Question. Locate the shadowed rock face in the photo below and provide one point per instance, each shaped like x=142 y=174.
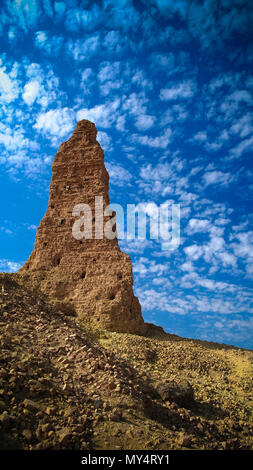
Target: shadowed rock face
x=92 y=275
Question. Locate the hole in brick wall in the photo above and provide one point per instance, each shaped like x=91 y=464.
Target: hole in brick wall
x=27 y=267
x=94 y=259
x=45 y=243
x=112 y=297
x=52 y=206
x=83 y=275
x=119 y=276
x=61 y=221
x=56 y=261
x=81 y=242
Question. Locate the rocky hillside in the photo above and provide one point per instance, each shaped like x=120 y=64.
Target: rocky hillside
x=66 y=385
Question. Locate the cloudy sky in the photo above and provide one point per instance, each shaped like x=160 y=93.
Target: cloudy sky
x=169 y=86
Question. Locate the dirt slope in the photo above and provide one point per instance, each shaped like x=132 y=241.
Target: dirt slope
x=64 y=385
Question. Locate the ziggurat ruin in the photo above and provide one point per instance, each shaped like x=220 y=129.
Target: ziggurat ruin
x=92 y=277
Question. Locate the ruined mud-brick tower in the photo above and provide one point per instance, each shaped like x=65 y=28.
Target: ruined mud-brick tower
x=93 y=275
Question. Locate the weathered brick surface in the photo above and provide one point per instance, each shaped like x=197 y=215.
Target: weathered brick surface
x=93 y=276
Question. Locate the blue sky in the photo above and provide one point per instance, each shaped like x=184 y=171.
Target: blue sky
x=169 y=86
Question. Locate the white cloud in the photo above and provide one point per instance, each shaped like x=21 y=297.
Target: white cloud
x=192 y=279
x=140 y=79
x=105 y=140
x=242 y=147
x=140 y=268
x=135 y=104
x=175 y=114
x=82 y=49
x=50 y=45
x=215 y=251
x=222 y=221
x=145 y=266
x=158 y=299
x=238 y=96
x=227 y=259
x=9 y=266
x=162 y=61
x=31 y=91
x=144 y=122
x=241 y=227
x=136 y=246
x=194 y=251
x=155 y=300
x=56 y=122
x=86 y=75
x=14 y=139
x=103 y=115
x=244 y=248
x=108 y=71
x=9 y=86
x=40 y=38
x=162 y=171
x=201 y=136
x=164 y=179
x=187 y=266
x=218 y=177
x=243 y=126
x=111 y=39
x=42 y=86
x=118 y=174
x=120 y=124
x=215 y=245
x=161 y=141
x=182 y=90
x=198 y=225
x=107 y=87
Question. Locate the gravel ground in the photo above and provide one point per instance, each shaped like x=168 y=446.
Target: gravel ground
x=65 y=385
